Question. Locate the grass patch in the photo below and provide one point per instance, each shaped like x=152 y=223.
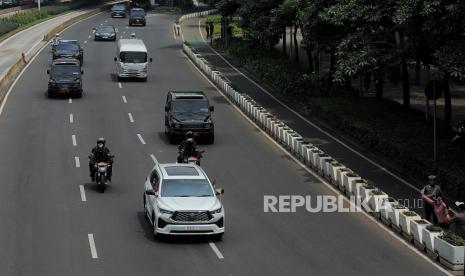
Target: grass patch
x=216 y=19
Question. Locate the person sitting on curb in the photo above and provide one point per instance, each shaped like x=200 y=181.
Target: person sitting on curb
x=458 y=220
x=440 y=210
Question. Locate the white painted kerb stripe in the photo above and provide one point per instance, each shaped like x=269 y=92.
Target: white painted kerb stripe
x=216 y=250
x=93 y=250
x=83 y=193
x=73 y=137
x=141 y=139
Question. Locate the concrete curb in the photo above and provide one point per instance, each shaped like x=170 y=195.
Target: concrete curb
x=343 y=178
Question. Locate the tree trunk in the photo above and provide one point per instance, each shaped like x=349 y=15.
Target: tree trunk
x=284 y=41
x=332 y=68
x=379 y=85
x=296 y=44
x=447 y=104
x=405 y=84
x=310 y=59
x=417 y=71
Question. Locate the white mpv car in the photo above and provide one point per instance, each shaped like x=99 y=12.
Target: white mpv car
x=179 y=199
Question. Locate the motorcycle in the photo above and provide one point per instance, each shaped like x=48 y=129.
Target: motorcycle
x=193 y=159
x=459 y=137
x=101 y=173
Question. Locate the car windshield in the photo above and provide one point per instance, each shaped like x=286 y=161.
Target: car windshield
x=67 y=47
x=118 y=8
x=186 y=188
x=65 y=70
x=133 y=57
x=189 y=106
x=105 y=29
x=137 y=13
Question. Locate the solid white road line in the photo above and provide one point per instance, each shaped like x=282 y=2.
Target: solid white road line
x=78 y=163
x=323 y=181
x=83 y=193
x=71 y=118
x=131 y=119
x=70 y=100
x=93 y=249
x=124 y=99
x=119 y=85
x=141 y=139
x=307 y=121
x=216 y=250
x=154 y=158
x=73 y=137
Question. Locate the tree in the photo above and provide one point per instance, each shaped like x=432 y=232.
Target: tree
x=286 y=16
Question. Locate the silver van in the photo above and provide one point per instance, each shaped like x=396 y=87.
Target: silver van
x=131 y=59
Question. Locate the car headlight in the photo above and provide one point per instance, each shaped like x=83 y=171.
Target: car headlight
x=208 y=125
x=175 y=125
x=51 y=81
x=164 y=211
x=216 y=211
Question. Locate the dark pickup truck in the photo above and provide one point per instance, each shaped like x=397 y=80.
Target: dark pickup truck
x=65 y=78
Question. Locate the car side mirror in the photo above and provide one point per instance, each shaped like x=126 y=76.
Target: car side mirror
x=115 y=59
x=48 y=71
x=219 y=191
x=167 y=108
x=150 y=59
x=214 y=183
x=150 y=192
x=212 y=108
x=82 y=72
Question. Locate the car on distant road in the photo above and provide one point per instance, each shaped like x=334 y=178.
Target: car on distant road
x=65 y=78
x=67 y=48
x=137 y=17
x=118 y=10
x=105 y=32
x=179 y=199
x=131 y=59
x=188 y=111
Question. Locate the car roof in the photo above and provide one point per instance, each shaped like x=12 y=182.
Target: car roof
x=137 y=9
x=179 y=95
x=181 y=171
x=71 y=41
x=131 y=45
x=66 y=61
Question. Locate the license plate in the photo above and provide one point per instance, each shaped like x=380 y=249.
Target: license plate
x=133 y=75
x=196 y=134
x=64 y=90
x=191 y=228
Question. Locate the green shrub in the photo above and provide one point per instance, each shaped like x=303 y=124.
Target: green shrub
x=421 y=221
x=433 y=228
x=453 y=239
x=377 y=192
x=410 y=213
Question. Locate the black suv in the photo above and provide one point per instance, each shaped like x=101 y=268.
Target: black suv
x=136 y=16
x=65 y=78
x=69 y=49
x=188 y=111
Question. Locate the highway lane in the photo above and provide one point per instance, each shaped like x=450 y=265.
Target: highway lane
x=48 y=224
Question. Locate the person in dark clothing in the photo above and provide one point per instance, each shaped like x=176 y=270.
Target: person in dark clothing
x=188 y=148
x=100 y=153
x=457 y=221
x=211 y=28
x=430 y=192
x=207 y=28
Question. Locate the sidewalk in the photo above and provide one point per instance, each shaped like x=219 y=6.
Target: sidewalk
x=371 y=167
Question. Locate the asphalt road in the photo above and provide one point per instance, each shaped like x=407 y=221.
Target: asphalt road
x=46 y=226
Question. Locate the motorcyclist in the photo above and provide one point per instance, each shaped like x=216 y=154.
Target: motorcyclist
x=188 y=148
x=100 y=153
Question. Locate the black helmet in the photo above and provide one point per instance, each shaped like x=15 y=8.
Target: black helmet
x=189 y=135
x=100 y=143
